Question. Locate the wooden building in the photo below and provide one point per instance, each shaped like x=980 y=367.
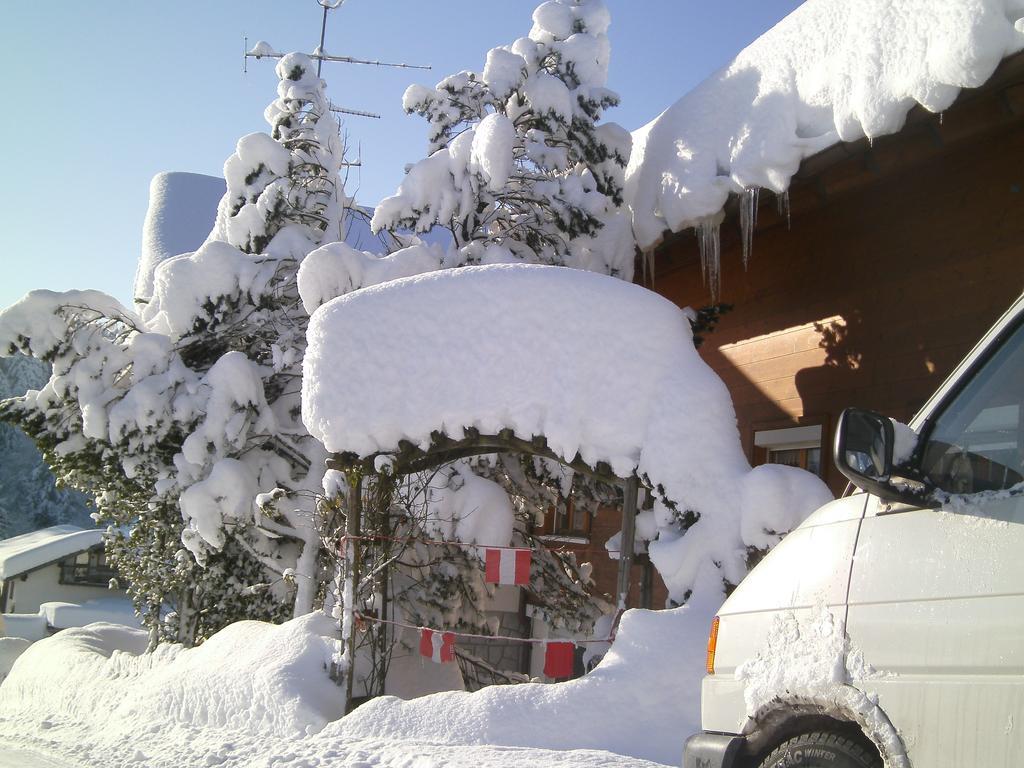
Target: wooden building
x=894 y=256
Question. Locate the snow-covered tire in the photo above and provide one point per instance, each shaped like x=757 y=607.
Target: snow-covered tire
x=820 y=750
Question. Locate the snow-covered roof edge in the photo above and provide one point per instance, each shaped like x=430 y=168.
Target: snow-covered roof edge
x=831 y=71
x=32 y=550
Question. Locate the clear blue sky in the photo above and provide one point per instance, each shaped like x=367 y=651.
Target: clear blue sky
x=101 y=96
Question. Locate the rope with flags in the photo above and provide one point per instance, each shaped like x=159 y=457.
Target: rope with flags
x=439 y=645
x=512 y=562
x=503 y=565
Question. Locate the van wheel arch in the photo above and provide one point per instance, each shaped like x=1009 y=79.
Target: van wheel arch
x=787 y=719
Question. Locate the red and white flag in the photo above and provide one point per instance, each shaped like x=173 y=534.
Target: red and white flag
x=439 y=647
x=507 y=566
x=558 y=658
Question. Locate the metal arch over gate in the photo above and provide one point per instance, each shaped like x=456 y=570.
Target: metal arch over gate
x=410 y=459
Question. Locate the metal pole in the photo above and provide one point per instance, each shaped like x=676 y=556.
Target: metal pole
x=628 y=538
x=646 y=583
x=323 y=33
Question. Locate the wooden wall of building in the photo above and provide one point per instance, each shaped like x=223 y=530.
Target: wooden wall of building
x=876 y=290
x=899 y=255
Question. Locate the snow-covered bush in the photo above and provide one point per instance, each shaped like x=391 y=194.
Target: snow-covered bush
x=665 y=417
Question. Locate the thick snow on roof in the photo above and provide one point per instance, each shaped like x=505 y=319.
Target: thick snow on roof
x=578 y=357
x=109 y=610
x=831 y=71
x=596 y=365
x=181 y=213
x=31 y=550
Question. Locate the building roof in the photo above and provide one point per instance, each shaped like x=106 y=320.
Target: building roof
x=832 y=71
x=32 y=550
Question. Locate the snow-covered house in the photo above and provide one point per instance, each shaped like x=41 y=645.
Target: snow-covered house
x=55 y=578
x=885 y=138
x=852 y=184
x=63 y=562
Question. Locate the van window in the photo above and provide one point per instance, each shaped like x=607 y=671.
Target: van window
x=975 y=444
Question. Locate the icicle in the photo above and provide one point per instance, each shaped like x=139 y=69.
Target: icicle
x=941 y=114
x=710 y=253
x=647 y=267
x=782 y=205
x=748 y=220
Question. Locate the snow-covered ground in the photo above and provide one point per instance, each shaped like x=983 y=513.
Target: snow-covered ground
x=258 y=695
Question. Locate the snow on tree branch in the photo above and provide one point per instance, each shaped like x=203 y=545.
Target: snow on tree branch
x=520 y=169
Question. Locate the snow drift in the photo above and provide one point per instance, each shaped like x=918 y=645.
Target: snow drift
x=600 y=367
x=643 y=699
x=250 y=677
x=256 y=694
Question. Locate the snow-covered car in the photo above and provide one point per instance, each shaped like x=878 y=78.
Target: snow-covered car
x=889 y=627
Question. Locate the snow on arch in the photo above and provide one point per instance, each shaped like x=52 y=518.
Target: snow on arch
x=831 y=71
x=598 y=366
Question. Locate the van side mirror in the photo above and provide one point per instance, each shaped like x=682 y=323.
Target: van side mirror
x=863 y=453
x=864 y=445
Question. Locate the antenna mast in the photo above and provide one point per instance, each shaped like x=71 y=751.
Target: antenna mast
x=265 y=50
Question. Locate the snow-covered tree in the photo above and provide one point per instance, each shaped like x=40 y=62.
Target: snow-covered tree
x=520 y=169
x=284 y=185
x=175 y=420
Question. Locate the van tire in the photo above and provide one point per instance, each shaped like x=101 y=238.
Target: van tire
x=820 y=750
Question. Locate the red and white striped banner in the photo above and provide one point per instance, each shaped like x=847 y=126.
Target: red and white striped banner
x=558 y=658
x=507 y=566
x=439 y=647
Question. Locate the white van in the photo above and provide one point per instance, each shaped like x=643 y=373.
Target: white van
x=889 y=627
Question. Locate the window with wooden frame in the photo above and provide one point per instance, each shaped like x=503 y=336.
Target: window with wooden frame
x=87 y=568
x=566 y=521
x=792 y=446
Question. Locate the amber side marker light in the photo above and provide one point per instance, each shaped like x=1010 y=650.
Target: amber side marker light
x=712 y=643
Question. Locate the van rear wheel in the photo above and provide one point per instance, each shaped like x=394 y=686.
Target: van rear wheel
x=820 y=750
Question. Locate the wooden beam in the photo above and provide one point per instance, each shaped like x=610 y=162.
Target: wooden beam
x=353 y=522
x=627 y=539
x=409 y=459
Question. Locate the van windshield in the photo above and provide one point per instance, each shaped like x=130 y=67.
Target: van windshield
x=975 y=444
